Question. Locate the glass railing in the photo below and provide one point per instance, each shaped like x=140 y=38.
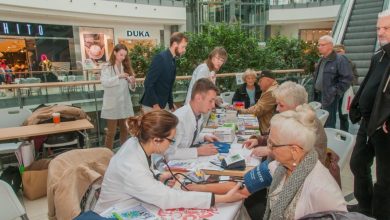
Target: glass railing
x=87 y=94
x=174 y=3
x=341 y=23
x=275 y=4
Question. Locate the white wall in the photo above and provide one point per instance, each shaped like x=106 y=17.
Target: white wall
x=95 y=9
x=297 y=15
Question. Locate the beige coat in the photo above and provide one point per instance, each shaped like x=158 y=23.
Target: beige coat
x=45 y=113
x=264 y=108
x=70 y=175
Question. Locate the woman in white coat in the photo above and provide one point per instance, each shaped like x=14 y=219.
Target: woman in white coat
x=117 y=78
x=129 y=178
x=217 y=57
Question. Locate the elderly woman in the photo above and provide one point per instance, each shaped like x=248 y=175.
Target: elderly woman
x=301 y=185
x=249 y=92
x=288 y=96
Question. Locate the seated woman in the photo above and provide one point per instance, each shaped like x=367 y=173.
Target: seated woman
x=249 y=92
x=129 y=178
x=300 y=184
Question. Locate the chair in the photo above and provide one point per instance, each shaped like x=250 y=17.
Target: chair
x=341 y=143
x=227 y=97
x=10 y=204
x=12 y=118
x=322 y=115
x=315 y=105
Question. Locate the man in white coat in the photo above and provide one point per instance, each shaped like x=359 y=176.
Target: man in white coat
x=188 y=137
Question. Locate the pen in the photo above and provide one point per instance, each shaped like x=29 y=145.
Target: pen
x=117 y=216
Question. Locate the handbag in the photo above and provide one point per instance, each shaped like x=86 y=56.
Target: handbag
x=347 y=99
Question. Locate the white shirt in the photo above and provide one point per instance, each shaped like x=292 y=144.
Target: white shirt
x=129 y=181
x=116 y=99
x=184 y=135
x=320 y=192
x=202 y=71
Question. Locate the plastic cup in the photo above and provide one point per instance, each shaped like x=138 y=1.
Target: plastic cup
x=56 y=118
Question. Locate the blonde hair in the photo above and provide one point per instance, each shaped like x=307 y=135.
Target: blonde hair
x=291 y=93
x=296 y=127
x=249 y=72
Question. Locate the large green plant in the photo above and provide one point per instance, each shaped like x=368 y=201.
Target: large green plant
x=141 y=56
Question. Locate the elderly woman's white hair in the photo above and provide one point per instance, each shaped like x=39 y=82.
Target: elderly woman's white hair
x=295 y=127
x=249 y=72
x=385 y=13
x=326 y=38
x=291 y=93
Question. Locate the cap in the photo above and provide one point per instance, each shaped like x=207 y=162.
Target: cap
x=267 y=73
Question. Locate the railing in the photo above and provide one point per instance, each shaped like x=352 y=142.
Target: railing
x=275 y=4
x=341 y=24
x=88 y=94
x=154 y=2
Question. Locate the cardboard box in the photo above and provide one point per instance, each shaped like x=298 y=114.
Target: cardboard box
x=34 y=179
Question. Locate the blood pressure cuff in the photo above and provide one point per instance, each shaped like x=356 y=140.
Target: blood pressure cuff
x=258 y=178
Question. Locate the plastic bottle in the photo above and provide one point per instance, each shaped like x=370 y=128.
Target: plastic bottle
x=241 y=126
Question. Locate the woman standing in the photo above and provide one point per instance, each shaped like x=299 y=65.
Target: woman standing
x=117 y=78
x=208 y=69
x=131 y=179
x=249 y=92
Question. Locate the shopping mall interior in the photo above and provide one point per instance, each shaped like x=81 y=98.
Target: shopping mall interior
x=53 y=55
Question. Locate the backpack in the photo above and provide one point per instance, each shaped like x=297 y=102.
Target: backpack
x=11 y=175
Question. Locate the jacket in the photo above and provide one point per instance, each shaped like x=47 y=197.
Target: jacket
x=69 y=176
x=45 y=113
x=320 y=192
x=129 y=180
x=159 y=81
x=264 y=108
x=185 y=130
x=241 y=95
x=202 y=71
x=116 y=98
x=380 y=110
x=337 y=77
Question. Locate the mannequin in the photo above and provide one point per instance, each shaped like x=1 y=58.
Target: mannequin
x=45 y=63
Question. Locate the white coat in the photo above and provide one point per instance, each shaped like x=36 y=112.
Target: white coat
x=129 y=181
x=116 y=99
x=185 y=130
x=202 y=71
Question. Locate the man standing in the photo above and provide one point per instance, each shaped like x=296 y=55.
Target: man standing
x=161 y=76
x=332 y=77
x=203 y=96
x=371 y=105
x=344 y=123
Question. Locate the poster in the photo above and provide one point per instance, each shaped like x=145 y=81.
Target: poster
x=94 y=50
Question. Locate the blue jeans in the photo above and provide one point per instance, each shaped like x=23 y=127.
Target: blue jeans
x=332 y=109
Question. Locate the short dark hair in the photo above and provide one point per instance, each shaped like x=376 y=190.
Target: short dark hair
x=203 y=85
x=177 y=37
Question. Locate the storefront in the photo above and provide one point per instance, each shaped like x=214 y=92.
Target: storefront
x=34 y=46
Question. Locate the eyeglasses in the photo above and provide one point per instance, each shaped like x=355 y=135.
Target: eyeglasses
x=272 y=145
x=172 y=141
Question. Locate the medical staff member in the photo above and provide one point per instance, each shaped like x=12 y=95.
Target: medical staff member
x=129 y=178
x=217 y=57
x=191 y=117
x=117 y=78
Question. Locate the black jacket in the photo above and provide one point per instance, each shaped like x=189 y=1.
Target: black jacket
x=159 y=81
x=242 y=96
x=381 y=109
x=337 y=77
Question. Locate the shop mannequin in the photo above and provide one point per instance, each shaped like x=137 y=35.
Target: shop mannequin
x=45 y=63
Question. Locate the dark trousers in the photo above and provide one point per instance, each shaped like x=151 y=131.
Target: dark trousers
x=374 y=199
x=344 y=123
x=256 y=204
x=332 y=109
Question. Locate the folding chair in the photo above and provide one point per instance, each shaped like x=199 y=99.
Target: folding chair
x=322 y=115
x=341 y=143
x=227 y=97
x=10 y=204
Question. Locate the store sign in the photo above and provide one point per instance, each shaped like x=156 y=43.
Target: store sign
x=132 y=33
x=35 y=30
